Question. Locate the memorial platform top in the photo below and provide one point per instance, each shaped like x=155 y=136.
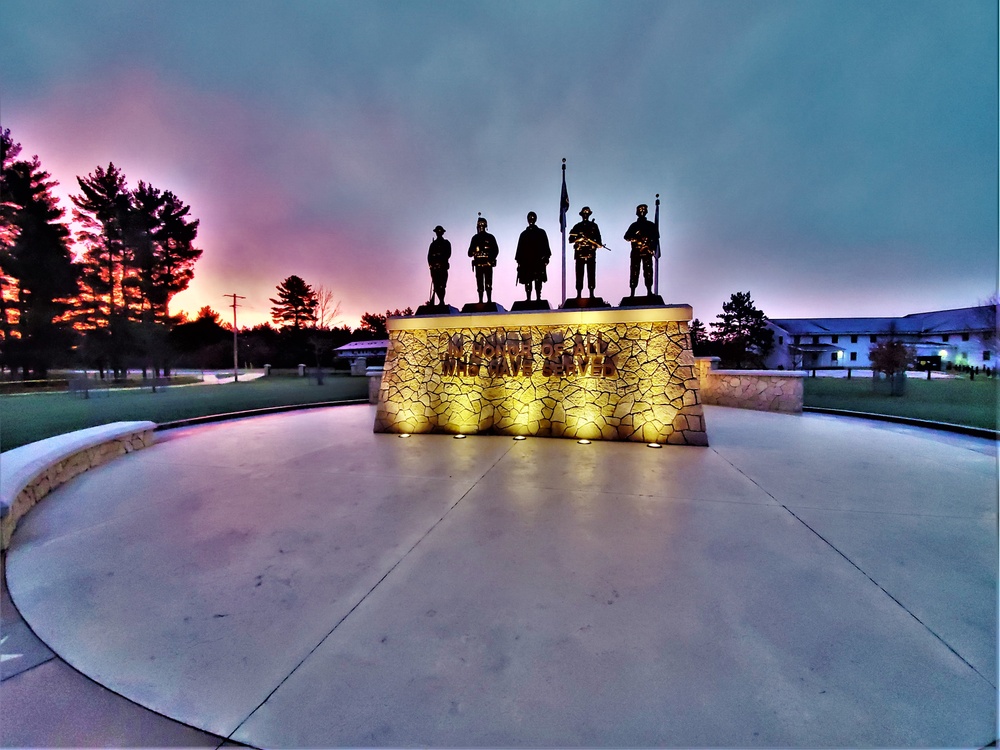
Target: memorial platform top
x=659 y=314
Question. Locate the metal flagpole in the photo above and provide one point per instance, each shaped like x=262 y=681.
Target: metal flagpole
x=656 y=268
x=563 y=208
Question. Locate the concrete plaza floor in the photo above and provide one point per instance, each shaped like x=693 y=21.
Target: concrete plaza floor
x=298 y=581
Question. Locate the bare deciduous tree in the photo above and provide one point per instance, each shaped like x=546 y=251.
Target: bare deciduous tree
x=327 y=311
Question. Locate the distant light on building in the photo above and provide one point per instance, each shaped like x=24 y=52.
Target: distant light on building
x=943 y=354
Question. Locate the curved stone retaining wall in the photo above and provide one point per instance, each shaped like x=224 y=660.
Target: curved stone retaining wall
x=762 y=390
x=29 y=473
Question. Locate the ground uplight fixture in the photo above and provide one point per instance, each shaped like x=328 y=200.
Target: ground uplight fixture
x=653 y=445
x=459 y=436
x=583 y=442
x=404 y=434
x=519 y=437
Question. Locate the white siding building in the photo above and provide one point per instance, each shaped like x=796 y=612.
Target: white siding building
x=966 y=337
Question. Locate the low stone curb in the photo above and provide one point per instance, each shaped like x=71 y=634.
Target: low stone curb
x=191 y=421
x=911 y=421
x=28 y=473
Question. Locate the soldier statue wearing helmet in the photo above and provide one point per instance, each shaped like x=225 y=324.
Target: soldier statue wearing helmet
x=483 y=250
x=586 y=238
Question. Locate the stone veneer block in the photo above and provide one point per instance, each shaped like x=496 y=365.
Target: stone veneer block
x=596 y=374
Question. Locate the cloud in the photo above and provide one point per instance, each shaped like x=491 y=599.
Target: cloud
x=824 y=145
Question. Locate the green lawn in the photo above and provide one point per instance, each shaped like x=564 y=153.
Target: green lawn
x=30 y=417
x=958 y=401
x=25 y=418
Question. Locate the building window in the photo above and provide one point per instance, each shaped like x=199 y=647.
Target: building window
x=945 y=337
x=965 y=337
x=781 y=340
x=874 y=338
x=815 y=339
x=854 y=339
x=798 y=340
x=854 y=356
x=986 y=356
x=835 y=339
x=833 y=357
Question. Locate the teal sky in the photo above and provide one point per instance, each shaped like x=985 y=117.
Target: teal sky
x=833 y=158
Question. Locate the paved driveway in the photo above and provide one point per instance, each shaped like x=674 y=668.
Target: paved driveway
x=296 y=580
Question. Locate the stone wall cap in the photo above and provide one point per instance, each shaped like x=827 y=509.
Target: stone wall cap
x=667 y=313
x=762 y=373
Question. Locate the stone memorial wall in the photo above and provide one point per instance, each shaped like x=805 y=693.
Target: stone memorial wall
x=762 y=390
x=617 y=374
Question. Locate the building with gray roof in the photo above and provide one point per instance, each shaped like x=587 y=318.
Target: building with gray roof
x=942 y=339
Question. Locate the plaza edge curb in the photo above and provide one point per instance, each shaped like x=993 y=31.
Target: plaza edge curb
x=981 y=432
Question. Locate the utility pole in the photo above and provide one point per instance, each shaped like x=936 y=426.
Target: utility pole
x=236 y=373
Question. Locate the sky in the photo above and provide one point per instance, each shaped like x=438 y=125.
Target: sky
x=831 y=157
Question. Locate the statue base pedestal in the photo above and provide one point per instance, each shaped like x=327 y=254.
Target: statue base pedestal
x=530 y=304
x=430 y=309
x=583 y=303
x=601 y=374
x=483 y=307
x=648 y=300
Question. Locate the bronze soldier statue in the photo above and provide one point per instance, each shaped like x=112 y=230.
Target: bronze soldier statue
x=586 y=238
x=438 y=255
x=483 y=250
x=532 y=257
x=643 y=235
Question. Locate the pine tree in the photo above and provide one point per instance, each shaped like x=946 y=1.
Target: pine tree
x=163 y=244
x=741 y=336
x=295 y=304
x=40 y=278
x=103 y=210
x=698 y=337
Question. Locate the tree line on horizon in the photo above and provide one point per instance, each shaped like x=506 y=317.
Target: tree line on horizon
x=106 y=306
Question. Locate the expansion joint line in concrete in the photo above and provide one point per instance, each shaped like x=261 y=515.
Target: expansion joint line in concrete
x=860 y=570
x=358 y=603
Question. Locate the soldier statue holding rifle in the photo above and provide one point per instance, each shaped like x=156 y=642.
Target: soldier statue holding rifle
x=586 y=238
x=643 y=235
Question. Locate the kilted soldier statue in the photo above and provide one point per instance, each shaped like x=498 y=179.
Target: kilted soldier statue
x=532 y=257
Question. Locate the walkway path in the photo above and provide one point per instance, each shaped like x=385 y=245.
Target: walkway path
x=295 y=580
